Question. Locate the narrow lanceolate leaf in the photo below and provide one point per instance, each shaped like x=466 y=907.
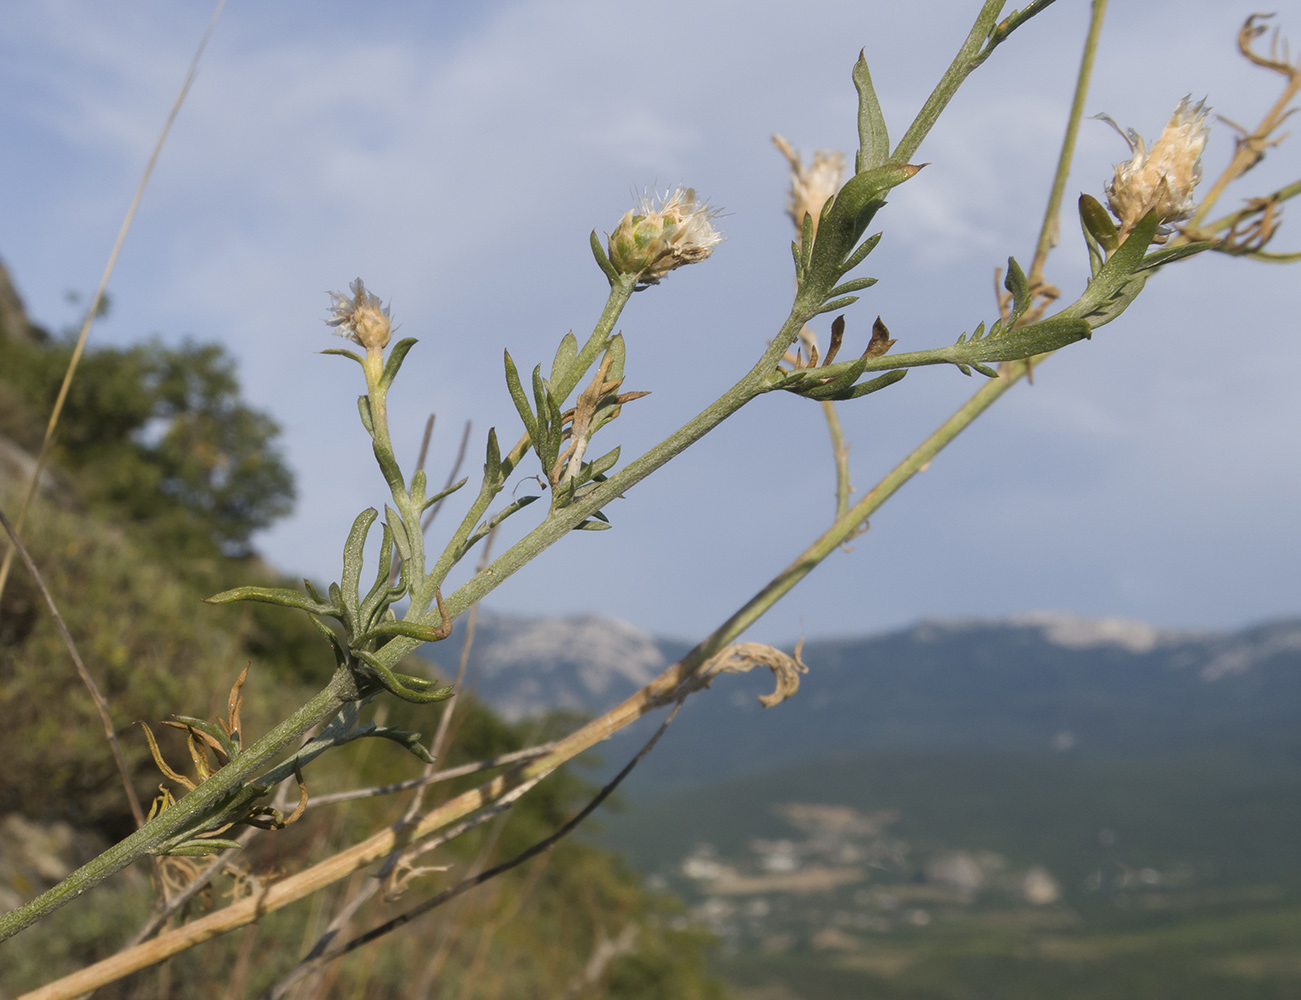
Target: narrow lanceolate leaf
x=401 y=737
x=873 y=140
x=1116 y=284
x=602 y=261
x=1017 y=283
x=835 y=304
x=866 y=388
x=350 y=582
x=363 y=409
x=565 y=355
x=1169 y=254
x=520 y=400
x=860 y=255
x=398 y=532
x=492 y=460
x=856 y=285
x=602 y=465
x=845 y=222
x=1097 y=223
x=395 y=358
x=406 y=630
x=455 y=486
x=345 y=353
x=272 y=595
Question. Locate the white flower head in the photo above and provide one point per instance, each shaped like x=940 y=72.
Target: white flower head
x=662 y=234
x=812 y=186
x=361 y=318
x=1162 y=178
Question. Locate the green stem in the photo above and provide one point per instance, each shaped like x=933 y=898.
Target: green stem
x=985 y=36
x=849 y=523
x=620 y=291
x=562 y=521
x=840 y=453
x=200 y=804
x=1048 y=234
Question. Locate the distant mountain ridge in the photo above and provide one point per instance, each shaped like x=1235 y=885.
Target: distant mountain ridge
x=1037 y=682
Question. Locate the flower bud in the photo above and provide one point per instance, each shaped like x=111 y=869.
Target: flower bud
x=362 y=319
x=651 y=241
x=1163 y=178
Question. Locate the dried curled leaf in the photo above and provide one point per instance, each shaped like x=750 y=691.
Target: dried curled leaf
x=742 y=657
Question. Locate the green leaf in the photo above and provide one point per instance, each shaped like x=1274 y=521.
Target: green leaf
x=876 y=384
x=413 y=689
x=566 y=353
x=398 y=532
x=344 y=353
x=1169 y=254
x=799 y=261
x=835 y=304
x=363 y=407
x=590 y=525
x=375 y=597
x=1019 y=286
x=547 y=444
x=492 y=438
x=272 y=595
x=395 y=358
x=602 y=261
x=602 y=465
x=350 y=583
x=860 y=255
x=411 y=741
x=856 y=285
x=873 y=140
x=520 y=400
x=984 y=369
x=216 y=732
x=1116 y=285
x=404 y=629
x=1097 y=223
x=491 y=462
x=419 y=483
x=852 y=211
x=1025 y=342
x=340 y=654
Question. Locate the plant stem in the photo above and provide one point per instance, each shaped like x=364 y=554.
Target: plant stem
x=840 y=453
x=967 y=59
x=620 y=292
x=1048 y=234
x=564 y=520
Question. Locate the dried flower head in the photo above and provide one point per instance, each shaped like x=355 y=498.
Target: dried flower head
x=1164 y=177
x=650 y=241
x=362 y=319
x=812 y=186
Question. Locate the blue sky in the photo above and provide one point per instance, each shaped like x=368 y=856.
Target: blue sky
x=457 y=155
